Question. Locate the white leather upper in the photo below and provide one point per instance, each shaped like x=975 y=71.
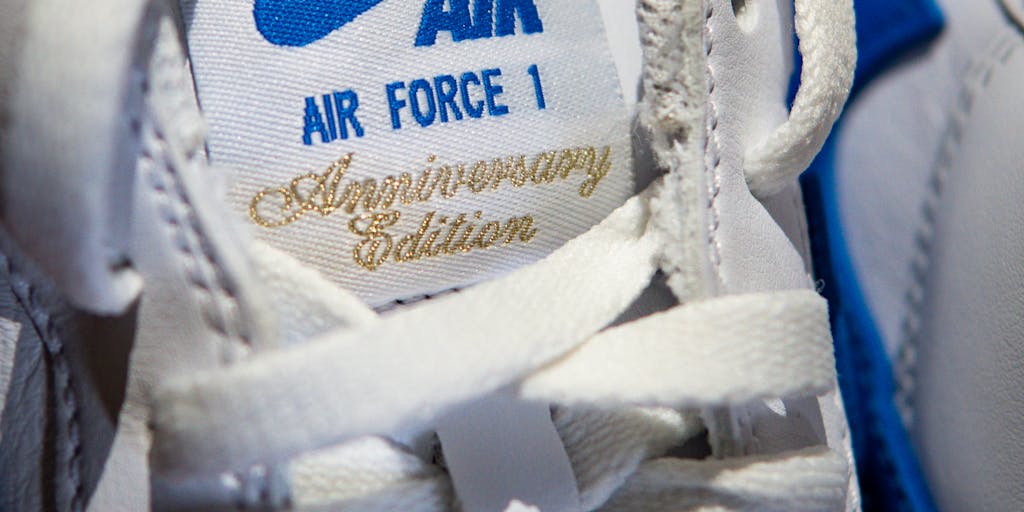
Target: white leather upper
x=755 y=250
x=749 y=70
x=969 y=399
x=84 y=227
x=197 y=308
x=930 y=191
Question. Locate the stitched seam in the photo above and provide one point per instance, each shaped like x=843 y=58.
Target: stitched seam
x=977 y=79
x=712 y=151
x=200 y=265
x=735 y=441
x=47 y=331
x=160 y=161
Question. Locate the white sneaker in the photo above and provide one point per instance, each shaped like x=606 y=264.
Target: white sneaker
x=494 y=324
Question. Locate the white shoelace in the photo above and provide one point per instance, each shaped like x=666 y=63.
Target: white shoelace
x=828 y=47
x=322 y=405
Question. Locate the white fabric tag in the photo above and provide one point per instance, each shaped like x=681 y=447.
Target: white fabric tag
x=504 y=454
x=405 y=147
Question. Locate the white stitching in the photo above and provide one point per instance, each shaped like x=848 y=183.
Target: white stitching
x=201 y=268
x=977 y=78
x=713 y=158
x=200 y=265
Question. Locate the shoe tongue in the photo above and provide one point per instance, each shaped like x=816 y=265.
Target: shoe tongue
x=409 y=147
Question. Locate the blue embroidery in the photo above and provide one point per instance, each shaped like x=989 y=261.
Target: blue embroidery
x=475 y=110
x=313 y=123
x=301 y=22
x=492 y=91
x=490 y=17
x=346 y=103
x=340 y=110
x=538 y=88
x=505 y=22
x=447 y=89
x=329 y=112
x=424 y=118
x=446 y=99
x=395 y=104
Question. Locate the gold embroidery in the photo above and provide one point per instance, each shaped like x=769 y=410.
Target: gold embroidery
x=328 y=192
x=294 y=199
x=438 y=235
x=378 y=247
x=374 y=248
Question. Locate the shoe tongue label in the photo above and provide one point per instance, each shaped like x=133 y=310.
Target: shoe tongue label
x=405 y=147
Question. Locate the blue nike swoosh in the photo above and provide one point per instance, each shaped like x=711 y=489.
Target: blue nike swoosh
x=301 y=22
